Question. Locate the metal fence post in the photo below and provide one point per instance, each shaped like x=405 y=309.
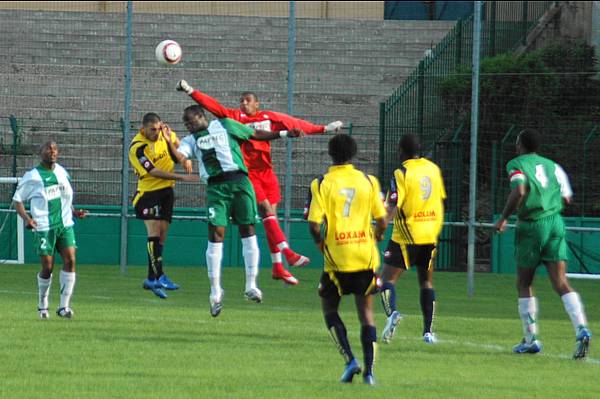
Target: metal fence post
x=420 y=97
x=473 y=158
x=524 y=17
x=494 y=177
x=126 y=130
x=458 y=41
x=492 y=33
x=290 y=110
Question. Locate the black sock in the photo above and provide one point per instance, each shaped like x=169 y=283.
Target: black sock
x=159 y=260
x=368 y=338
x=152 y=249
x=337 y=329
x=427 y=307
x=388 y=298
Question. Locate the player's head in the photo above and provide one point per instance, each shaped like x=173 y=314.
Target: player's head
x=194 y=119
x=528 y=141
x=409 y=146
x=49 y=152
x=151 y=125
x=342 y=148
x=249 y=103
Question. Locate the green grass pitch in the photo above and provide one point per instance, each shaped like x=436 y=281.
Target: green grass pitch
x=124 y=342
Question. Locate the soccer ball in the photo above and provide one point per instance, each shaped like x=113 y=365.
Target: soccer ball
x=168 y=52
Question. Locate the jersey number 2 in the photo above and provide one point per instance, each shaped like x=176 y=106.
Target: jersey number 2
x=349 y=193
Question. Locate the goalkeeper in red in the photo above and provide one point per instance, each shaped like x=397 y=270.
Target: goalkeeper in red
x=257 y=157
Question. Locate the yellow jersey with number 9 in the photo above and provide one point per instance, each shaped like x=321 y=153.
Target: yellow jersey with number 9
x=417 y=190
x=346 y=200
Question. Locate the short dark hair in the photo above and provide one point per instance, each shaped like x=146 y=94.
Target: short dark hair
x=410 y=145
x=249 y=93
x=342 y=148
x=529 y=139
x=195 y=109
x=150 y=117
x=45 y=144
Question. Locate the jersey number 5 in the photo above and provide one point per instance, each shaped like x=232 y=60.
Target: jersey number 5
x=349 y=193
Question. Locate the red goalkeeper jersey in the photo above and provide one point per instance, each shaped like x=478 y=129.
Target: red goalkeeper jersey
x=257 y=154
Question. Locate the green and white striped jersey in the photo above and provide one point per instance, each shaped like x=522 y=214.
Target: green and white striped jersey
x=217 y=148
x=50 y=195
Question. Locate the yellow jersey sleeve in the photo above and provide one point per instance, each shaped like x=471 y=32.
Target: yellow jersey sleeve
x=377 y=209
x=316 y=211
x=139 y=159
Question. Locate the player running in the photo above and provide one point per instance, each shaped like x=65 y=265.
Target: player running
x=48 y=189
x=257 y=156
x=539 y=186
x=154 y=199
x=346 y=200
x=229 y=193
x=416 y=201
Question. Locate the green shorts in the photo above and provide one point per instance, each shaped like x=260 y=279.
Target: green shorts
x=542 y=240
x=47 y=242
x=231 y=198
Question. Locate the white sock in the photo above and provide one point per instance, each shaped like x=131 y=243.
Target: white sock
x=67 y=283
x=214 y=255
x=251 y=258
x=276 y=257
x=574 y=308
x=528 y=310
x=44 y=289
x=283 y=245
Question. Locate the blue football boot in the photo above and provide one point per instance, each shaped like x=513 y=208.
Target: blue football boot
x=532 y=347
x=167 y=284
x=369 y=379
x=350 y=371
x=584 y=336
x=155 y=287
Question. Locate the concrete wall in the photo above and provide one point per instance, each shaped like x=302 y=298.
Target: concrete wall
x=363 y=10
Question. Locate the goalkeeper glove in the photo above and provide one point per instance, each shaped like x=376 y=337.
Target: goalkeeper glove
x=184 y=86
x=333 y=127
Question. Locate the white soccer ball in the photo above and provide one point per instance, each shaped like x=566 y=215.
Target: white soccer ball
x=168 y=52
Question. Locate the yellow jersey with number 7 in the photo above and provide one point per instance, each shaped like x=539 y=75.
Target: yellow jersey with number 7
x=346 y=200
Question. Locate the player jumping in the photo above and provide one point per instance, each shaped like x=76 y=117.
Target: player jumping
x=257 y=157
x=539 y=186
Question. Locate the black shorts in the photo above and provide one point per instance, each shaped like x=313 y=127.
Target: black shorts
x=336 y=284
x=155 y=205
x=406 y=255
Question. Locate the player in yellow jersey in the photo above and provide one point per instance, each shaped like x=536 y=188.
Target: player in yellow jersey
x=346 y=200
x=153 y=201
x=416 y=202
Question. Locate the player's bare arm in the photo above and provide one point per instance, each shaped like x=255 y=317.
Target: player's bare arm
x=29 y=222
x=515 y=198
x=315 y=232
x=162 y=174
x=180 y=158
x=380 y=227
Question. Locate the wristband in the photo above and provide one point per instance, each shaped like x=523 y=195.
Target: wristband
x=283 y=133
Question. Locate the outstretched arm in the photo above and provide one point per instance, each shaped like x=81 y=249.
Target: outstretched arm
x=207 y=102
x=265 y=135
x=283 y=121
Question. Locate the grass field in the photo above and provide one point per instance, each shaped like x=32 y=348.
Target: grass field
x=124 y=342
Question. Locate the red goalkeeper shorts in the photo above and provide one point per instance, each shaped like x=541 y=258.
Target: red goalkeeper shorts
x=266 y=185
